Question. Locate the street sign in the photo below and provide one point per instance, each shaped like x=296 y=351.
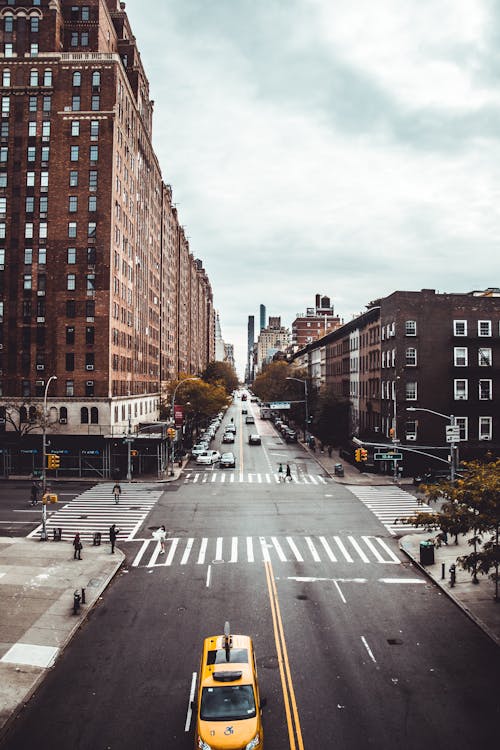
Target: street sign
x=279 y=405
x=452 y=434
x=387 y=456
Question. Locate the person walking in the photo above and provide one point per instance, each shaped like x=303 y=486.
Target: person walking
x=117 y=491
x=280 y=473
x=34 y=493
x=160 y=535
x=288 y=473
x=77 y=544
x=113 y=533
x=330 y=449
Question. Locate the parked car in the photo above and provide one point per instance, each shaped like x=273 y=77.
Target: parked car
x=208 y=457
x=231 y=428
x=227 y=461
x=249 y=419
x=228 y=437
x=290 y=436
x=254 y=439
x=199 y=448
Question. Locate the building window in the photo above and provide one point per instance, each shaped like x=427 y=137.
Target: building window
x=27 y=281
x=6 y=78
x=70 y=335
x=73 y=204
x=85 y=11
x=47 y=103
x=484 y=357
x=72 y=229
x=411 y=391
x=47 y=77
x=460 y=328
x=28 y=256
x=25 y=388
x=460 y=357
x=8 y=49
x=91 y=282
x=6 y=105
x=71 y=281
x=411 y=328
x=91 y=229
x=34 y=49
x=73 y=178
x=95 y=103
x=71 y=308
x=89 y=361
x=74 y=39
x=84 y=415
x=46 y=129
x=42 y=256
x=462 y=424
x=63 y=415
x=8 y=24
x=32 y=129
x=485 y=390
x=45 y=154
x=70 y=388
x=71 y=255
x=70 y=361
x=34 y=77
x=75 y=127
x=94 y=153
x=28 y=230
x=44 y=180
x=411 y=357
x=90 y=309
x=4 y=154
x=42 y=230
x=460 y=390
x=89 y=387
x=484 y=327
x=84 y=39
x=74 y=153
x=89 y=335
x=29 y=204
x=75 y=103
x=94 y=415
x=485 y=428
x=3 y=226
x=91 y=256
x=32 y=104
x=77 y=79
x=92 y=203
x=34 y=24
x=94 y=129
x=93 y=179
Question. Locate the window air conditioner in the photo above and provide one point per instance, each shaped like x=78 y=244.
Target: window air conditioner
x=40 y=320
x=39 y=383
x=89 y=367
x=484 y=437
x=411 y=436
x=460 y=397
x=89 y=382
x=63 y=420
x=40 y=367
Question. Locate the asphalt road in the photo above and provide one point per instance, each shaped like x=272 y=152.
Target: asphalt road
x=351 y=655
x=17 y=516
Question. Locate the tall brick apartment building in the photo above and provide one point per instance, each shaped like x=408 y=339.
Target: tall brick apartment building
x=97 y=283
x=423 y=351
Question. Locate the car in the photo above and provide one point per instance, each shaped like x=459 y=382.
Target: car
x=231 y=428
x=227 y=461
x=254 y=400
x=244 y=410
x=228 y=707
x=249 y=419
x=254 y=439
x=228 y=437
x=290 y=436
x=208 y=457
x=199 y=448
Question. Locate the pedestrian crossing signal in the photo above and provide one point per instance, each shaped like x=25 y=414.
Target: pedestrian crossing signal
x=53 y=461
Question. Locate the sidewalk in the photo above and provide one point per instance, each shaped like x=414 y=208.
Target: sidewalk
x=37 y=583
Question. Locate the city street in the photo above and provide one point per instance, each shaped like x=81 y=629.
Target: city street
x=355 y=647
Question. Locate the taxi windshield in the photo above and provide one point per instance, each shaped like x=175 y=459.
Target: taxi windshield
x=227 y=702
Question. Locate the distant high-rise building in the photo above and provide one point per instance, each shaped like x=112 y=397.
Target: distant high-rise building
x=250 y=348
x=273 y=339
x=262 y=311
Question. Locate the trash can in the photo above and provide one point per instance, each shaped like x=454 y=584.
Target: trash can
x=426 y=553
x=97 y=539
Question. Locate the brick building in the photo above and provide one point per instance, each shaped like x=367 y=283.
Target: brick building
x=97 y=283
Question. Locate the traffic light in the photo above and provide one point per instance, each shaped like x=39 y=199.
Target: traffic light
x=49 y=497
x=364 y=454
x=53 y=461
x=171 y=432
x=357 y=454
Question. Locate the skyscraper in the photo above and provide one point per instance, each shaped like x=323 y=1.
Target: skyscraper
x=251 y=339
x=262 y=317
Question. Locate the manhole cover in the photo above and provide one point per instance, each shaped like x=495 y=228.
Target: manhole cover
x=270 y=662
x=394 y=641
x=302 y=597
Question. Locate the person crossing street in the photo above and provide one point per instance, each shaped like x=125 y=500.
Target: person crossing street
x=117 y=491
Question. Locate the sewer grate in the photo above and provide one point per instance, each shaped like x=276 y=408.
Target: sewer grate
x=394 y=641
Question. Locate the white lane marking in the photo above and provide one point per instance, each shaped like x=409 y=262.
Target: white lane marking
x=328 y=549
x=214 y=477
x=313 y=480
x=314 y=579
x=154 y=556
x=234 y=550
x=203 y=551
x=250 y=478
x=259 y=478
x=321 y=479
x=370 y=654
x=358 y=549
x=204 y=478
x=278 y=548
x=312 y=549
x=343 y=549
x=335 y=583
x=231 y=478
x=196 y=477
x=265 y=551
x=187 y=725
x=250 y=555
x=394 y=558
x=209 y=575
x=171 y=551
x=139 y=555
x=218 y=549
x=268 y=479
x=401 y=580
x=294 y=549
x=187 y=551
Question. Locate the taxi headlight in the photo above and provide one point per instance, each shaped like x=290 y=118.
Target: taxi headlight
x=203 y=745
x=253 y=743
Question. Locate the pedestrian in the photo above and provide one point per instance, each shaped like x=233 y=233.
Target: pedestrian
x=160 y=535
x=117 y=491
x=289 y=473
x=280 y=473
x=77 y=544
x=34 y=493
x=330 y=449
x=113 y=533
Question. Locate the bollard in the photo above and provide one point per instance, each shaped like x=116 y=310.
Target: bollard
x=54 y=535
x=59 y=534
x=83 y=596
x=97 y=539
x=442 y=570
x=453 y=575
x=76 y=602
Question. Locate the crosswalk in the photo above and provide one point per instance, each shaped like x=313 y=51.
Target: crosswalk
x=240 y=477
x=95 y=510
x=388 y=503
x=180 y=551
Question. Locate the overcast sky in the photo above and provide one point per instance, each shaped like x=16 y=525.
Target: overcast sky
x=342 y=147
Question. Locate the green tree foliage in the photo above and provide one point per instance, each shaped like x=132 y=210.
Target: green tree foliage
x=221 y=373
x=271 y=383
x=330 y=423
x=471 y=506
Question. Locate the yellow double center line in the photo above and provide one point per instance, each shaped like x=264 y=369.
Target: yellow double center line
x=292 y=714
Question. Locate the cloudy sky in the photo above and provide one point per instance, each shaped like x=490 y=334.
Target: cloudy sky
x=342 y=147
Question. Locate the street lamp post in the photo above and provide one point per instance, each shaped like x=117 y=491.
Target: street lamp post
x=172 y=415
x=453 y=445
x=43 y=535
x=304 y=382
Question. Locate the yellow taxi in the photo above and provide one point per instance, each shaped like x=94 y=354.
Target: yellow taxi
x=228 y=707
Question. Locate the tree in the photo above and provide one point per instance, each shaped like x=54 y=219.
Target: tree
x=221 y=372
x=331 y=418
x=23 y=418
x=472 y=506
x=271 y=384
x=199 y=399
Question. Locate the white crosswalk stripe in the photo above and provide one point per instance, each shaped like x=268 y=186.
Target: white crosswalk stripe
x=95 y=510
x=224 y=477
x=388 y=503
x=205 y=550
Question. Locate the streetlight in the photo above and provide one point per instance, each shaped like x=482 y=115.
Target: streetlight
x=172 y=415
x=304 y=382
x=43 y=536
x=453 y=446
